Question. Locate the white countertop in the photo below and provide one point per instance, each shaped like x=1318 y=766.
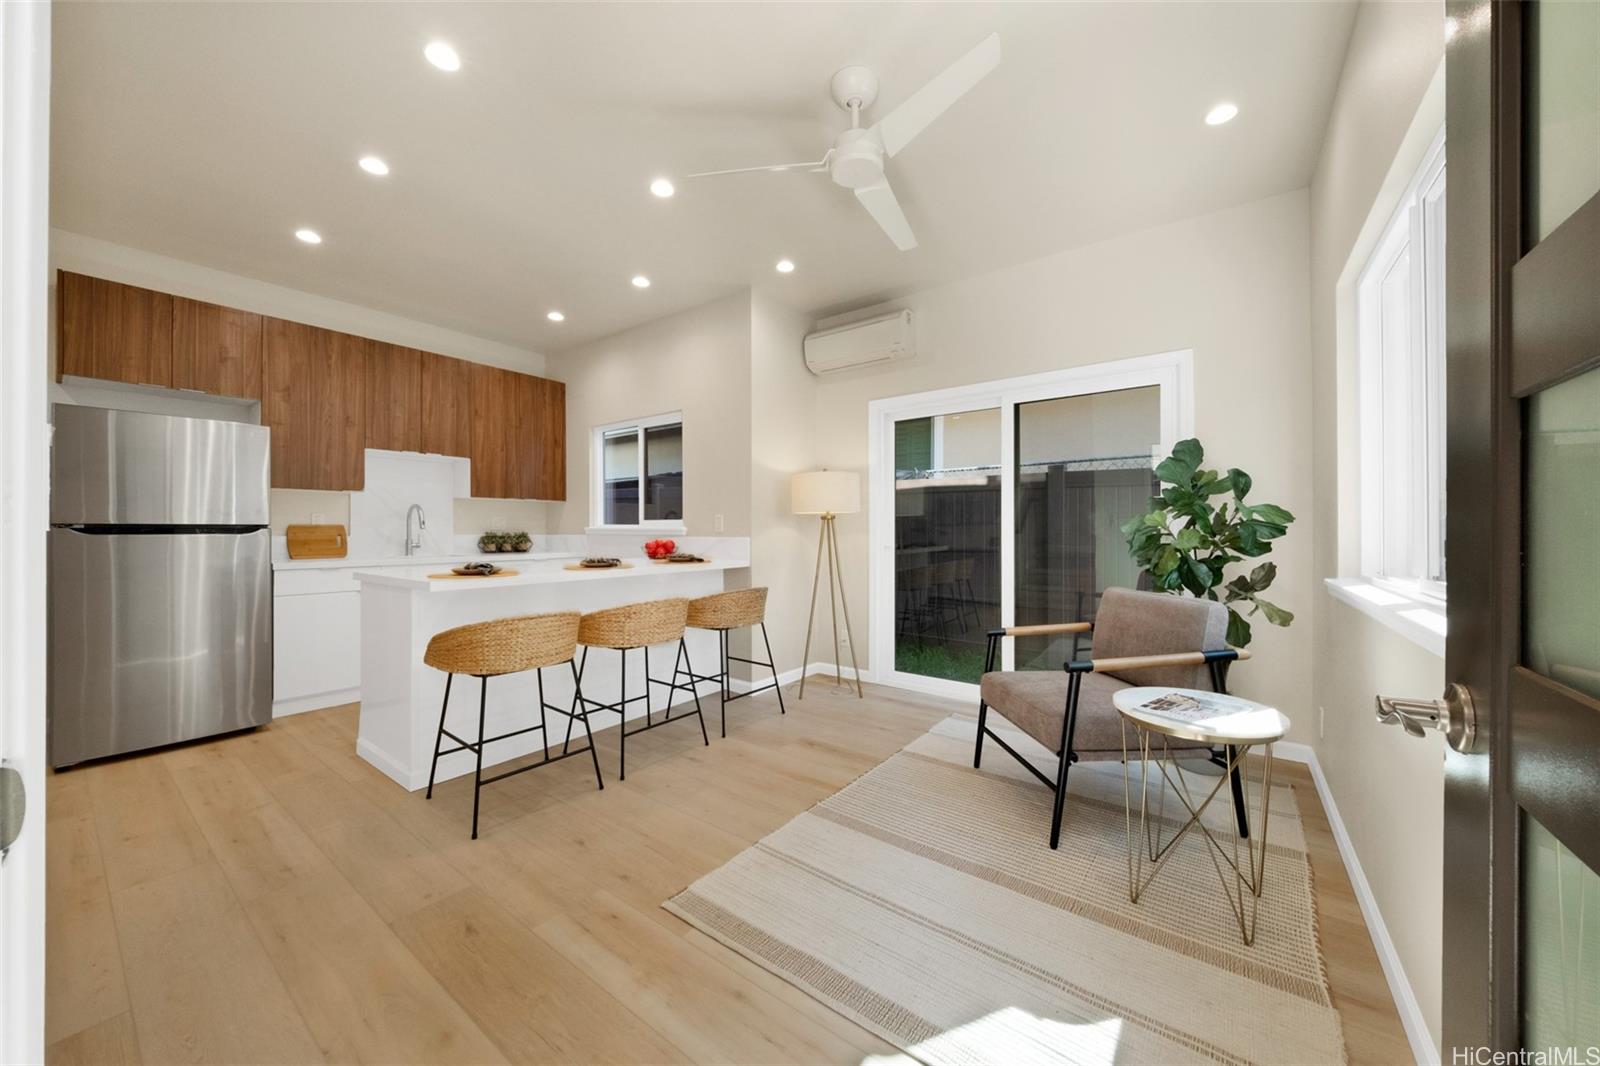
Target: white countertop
x=370 y=562
x=532 y=570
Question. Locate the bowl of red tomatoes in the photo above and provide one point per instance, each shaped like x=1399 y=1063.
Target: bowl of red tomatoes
x=660 y=549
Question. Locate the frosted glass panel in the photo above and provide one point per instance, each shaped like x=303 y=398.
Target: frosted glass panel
x=1561 y=945
x=1563 y=111
x=1561 y=591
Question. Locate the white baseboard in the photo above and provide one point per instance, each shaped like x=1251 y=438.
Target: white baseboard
x=1405 y=1001
x=322 y=700
x=789 y=677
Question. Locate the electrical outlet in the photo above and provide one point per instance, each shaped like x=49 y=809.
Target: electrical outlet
x=844 y=642
x=1322 y=722
x=716 y=524
x=316 y=518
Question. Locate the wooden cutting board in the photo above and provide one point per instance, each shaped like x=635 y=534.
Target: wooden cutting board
x=317 y=542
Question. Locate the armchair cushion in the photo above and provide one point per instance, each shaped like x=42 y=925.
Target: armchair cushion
x=1131 y=623
x=1035 y=701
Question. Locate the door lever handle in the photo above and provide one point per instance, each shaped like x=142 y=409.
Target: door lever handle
x=1454 y=716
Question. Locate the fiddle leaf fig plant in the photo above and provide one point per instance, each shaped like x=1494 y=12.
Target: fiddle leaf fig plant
x=1201 y=525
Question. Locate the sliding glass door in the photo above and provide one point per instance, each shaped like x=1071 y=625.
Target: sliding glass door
x=1083 y=469
x=1002 y=504
x=946 y=542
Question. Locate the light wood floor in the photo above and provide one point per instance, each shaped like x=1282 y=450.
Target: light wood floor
x=269 y=897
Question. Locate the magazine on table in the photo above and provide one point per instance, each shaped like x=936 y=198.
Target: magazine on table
x=1191 y=706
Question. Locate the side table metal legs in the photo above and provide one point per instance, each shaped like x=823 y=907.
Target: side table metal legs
x=1149 y=849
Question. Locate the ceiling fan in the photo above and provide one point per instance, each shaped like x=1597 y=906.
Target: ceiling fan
x=856 y=159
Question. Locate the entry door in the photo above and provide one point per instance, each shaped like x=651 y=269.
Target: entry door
x=1521 y=888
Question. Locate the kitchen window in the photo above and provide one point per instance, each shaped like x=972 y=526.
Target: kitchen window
x=638 y=473
x=1401 y=371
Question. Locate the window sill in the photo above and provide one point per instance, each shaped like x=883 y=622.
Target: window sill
x=667 y=529
x=1418 y=620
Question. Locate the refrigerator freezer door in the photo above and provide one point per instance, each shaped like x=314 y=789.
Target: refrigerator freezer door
x=135 y=469
x=156 y=638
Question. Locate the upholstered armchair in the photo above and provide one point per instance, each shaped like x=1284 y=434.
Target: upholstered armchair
x=1139 y=638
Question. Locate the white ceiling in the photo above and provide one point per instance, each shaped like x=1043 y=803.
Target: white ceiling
x=210 y=132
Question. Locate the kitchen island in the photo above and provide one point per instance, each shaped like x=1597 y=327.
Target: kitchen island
x=402 y=608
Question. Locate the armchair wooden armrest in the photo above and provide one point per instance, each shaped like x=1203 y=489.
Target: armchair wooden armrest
x=1042 y=630
x=1143 y=662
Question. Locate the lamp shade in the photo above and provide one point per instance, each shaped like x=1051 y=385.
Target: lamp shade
x=825 y=492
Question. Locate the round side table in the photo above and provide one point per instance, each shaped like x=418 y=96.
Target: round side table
x=1150 y=716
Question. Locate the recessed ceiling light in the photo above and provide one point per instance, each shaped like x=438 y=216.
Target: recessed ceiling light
x=442 y=56
x=640 y=281
x=1221 y=113
x=373 y=165
x=785 y=266
x=556 y=316
x=310 y=236
x=662 y=188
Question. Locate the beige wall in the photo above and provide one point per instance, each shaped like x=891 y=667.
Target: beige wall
x=1232 y=286
x=697 y=362
x=1388 y=788
x=783 y=546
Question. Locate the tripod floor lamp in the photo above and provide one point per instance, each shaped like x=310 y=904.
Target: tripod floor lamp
x=828 y=494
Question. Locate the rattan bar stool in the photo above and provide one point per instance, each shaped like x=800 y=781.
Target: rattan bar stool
x=637 y=625
x=508 y=646
x=725 y=612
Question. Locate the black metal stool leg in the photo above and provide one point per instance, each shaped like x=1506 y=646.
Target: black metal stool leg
x=577 y=697
x=672 y=689
x=622 y=715
x=584 y=710
x=646 y=689
x=438 y=738
x=722 y=678
x=477 y=775
x=773 y=663
x=682 y=646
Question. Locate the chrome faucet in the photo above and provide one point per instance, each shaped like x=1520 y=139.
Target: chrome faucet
x=414 y=541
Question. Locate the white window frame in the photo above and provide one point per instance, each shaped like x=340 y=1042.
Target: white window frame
x=597 y=476
x=1415 y=232
x=1172 y=371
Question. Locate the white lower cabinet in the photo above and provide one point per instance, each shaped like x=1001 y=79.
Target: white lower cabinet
x=316 y=640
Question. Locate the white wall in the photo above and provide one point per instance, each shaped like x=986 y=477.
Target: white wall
x=1388 y=787
x=1231 y=286
x=783 y=546
x=697 y=362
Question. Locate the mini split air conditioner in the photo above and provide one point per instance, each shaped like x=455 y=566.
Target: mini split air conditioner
x=882 y=339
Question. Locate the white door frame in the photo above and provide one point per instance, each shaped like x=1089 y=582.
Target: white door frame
x=24 y=500
x=1172 y=371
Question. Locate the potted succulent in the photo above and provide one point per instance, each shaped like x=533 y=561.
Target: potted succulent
x=491 y=542
x=522 y=542
x=1188 y=539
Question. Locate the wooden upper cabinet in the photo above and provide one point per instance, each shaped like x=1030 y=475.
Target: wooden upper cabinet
x=446 y=405
x=518 y=435
x=316 y=405
x=494 y=430
x=550 y=434
x=216 y=349
x=394 y=397
x=112 y=331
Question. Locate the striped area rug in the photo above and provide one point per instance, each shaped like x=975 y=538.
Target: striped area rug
x=922 y=902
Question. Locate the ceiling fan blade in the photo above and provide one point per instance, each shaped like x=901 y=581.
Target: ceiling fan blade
x=776 y=168
x=898 y=127
x=880 y=203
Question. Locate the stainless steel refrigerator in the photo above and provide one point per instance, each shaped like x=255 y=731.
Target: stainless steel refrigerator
x=160 y=581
